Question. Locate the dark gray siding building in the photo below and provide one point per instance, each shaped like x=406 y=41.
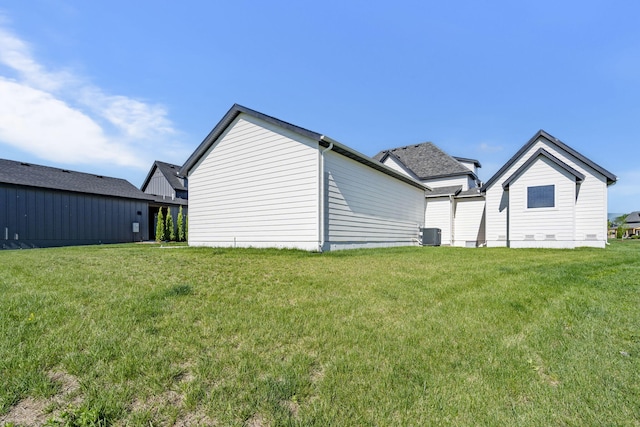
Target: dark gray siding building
x=42 y=207
x=169 y=191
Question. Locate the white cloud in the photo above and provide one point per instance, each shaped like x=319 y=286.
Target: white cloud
x=16 y=54
x=59 y=116
x=488 y=148
x=37 y=122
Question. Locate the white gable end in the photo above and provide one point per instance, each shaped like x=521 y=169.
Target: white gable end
x=256 y=186
x=588 y=213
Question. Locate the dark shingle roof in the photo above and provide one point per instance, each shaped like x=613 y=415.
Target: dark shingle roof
x=426 y=161
x=634 y=217
x=170 y=172
x=30 y=175
x=611 y=178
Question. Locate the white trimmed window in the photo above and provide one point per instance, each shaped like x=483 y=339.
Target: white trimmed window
x=542 y=196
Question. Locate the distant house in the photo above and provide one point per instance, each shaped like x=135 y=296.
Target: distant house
x=633 y=223
x=455 y=205
x=632 y=226
x=259 y=181
x=169 y=190
x=42 y=206
x=547 y=195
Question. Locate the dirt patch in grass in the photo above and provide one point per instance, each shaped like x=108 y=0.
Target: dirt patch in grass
x=256 y=420
x=194 y=419
x=291 y=406
x=28 y=412
x=35 y=412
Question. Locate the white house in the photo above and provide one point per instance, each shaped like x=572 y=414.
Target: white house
x=256 y=181
x=259 y=181
x=455 y=204
x=547 y=195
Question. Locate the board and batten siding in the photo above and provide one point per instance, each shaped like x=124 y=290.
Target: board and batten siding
x=367 y=208
x=158 y=185
x=590 y=210
x=542 y=227
x=37 y=218
x=257 y=186
x=438 y=215
x=469 y=219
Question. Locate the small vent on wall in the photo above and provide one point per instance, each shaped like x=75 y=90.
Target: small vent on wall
x=550 y=237
x=502 y=237
x=592 y=237
x=529 y=237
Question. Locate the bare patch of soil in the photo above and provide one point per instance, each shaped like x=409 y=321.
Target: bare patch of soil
x=32 y=412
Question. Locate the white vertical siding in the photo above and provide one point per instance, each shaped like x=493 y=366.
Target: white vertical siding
x=438 y=215
x=469 y=222
x=366 y=208
x=257 y=186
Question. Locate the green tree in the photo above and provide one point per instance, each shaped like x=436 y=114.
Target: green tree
x=621 y=221
x=180 y=225
x=160 y=235
x=170 y=229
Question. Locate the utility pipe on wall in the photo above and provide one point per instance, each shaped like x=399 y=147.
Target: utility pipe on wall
x=321 y=229
x=451 y=217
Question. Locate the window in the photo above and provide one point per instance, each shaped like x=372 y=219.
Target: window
x=542 y=196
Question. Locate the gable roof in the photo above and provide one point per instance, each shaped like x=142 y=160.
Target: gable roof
x=169 y=171
x=30 y=175
x=467 y=160
x=541 y=152
x=323 y=141
x=426 y=161
x=611 y=178
x=633 y=218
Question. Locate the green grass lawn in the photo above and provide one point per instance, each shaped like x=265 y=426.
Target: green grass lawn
x=143 y=335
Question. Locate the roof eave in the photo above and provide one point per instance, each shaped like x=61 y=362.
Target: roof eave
x=226 y=120
x=325 y=141
x=611 y=178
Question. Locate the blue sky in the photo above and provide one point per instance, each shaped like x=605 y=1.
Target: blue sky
x=107 y=87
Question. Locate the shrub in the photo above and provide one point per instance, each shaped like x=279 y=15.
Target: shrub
x=180 y=225
x=160 y=234
x=170 y=231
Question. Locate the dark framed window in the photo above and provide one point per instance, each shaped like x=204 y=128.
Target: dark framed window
x=542 y=196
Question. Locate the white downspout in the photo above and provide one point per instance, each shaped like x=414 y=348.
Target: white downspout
x=451 y=229
x=321 y=228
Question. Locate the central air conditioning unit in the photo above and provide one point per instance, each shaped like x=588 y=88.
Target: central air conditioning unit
x=431 y=236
